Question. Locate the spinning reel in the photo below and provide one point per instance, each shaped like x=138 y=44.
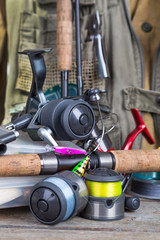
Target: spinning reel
x=69 y=118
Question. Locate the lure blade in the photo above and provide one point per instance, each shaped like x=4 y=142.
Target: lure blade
x=80 y=168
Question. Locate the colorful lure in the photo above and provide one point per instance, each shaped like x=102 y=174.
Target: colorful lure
x=68 y=151
x=80 y=168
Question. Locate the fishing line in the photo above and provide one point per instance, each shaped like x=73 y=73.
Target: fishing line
x=98 y=140
x=103 y=129
x=102 y=189
x=115 y=124
x=109 y=117
x=146 y=188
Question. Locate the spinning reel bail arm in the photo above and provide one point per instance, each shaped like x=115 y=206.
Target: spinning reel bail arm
x=39 y=74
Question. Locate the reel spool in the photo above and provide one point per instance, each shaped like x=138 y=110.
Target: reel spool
x=58 y=197
x=69 y=119
x=147 y=175
x=146 y=185
x=106 y=200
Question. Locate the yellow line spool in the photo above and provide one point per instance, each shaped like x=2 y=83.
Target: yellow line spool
x=106 y=199
x=103 y=182
x=104 y=189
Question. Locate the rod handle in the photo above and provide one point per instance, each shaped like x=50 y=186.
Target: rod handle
x=137 y=160
x=64 y=34
x=20 y=165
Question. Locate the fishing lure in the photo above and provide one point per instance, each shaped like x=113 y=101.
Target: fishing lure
x=68 y=151
x=80 y=168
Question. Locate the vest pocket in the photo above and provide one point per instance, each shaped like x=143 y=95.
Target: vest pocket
x=143 y=100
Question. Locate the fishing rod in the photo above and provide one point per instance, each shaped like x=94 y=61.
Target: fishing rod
x=48 y=163
x=64 y=42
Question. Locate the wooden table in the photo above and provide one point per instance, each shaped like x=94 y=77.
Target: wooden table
x=19 y=223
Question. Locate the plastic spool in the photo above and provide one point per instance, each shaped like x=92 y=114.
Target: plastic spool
x=146 y=185
x=146 y=188
x=147 y=175
x=106 y=200
x=58 y=197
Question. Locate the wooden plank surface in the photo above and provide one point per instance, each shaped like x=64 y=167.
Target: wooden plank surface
x=19 y=223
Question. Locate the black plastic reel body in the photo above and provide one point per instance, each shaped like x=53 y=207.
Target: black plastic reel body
x=103 y=175
x=70 y=119
x=104 y=209
x=58 y=198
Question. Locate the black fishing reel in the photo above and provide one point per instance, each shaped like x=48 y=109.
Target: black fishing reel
x=68 y=118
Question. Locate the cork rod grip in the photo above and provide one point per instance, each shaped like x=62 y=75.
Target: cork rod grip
x=137 y=161
x=20 y=165
x=64 y=34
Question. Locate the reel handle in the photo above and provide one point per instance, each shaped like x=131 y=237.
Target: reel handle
x=39 y=73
